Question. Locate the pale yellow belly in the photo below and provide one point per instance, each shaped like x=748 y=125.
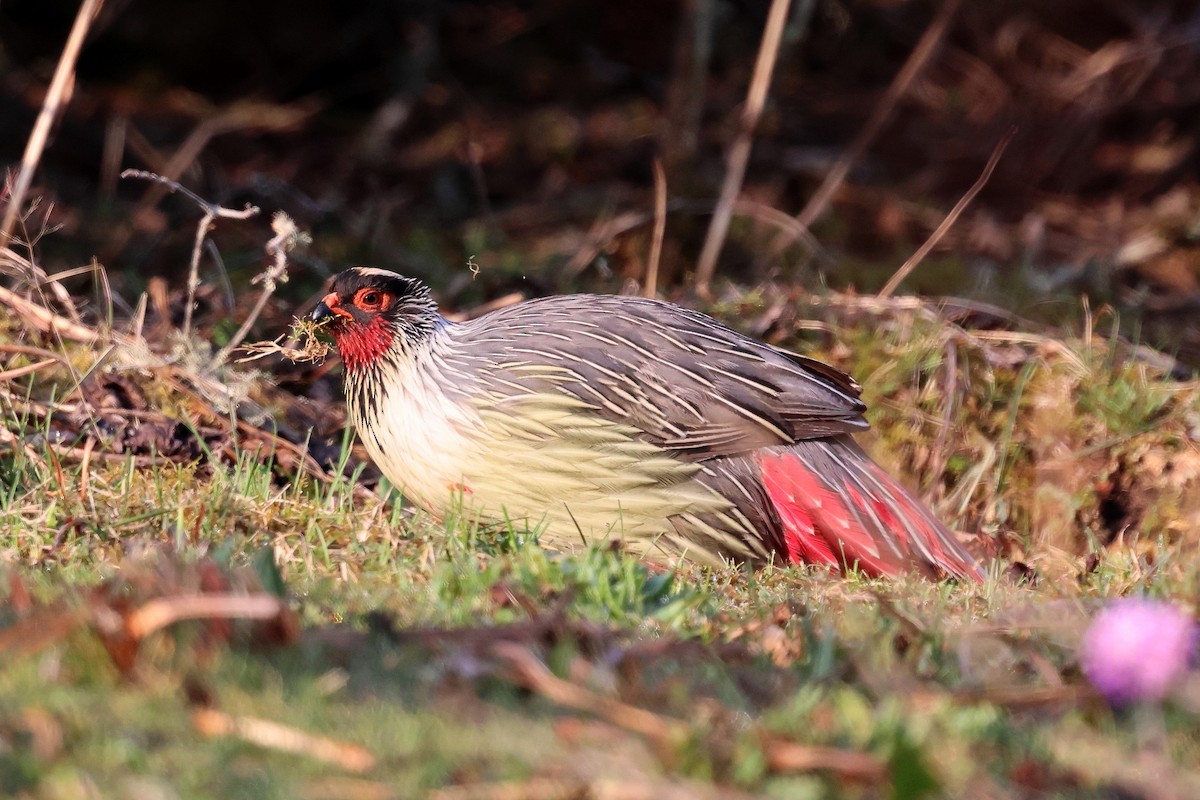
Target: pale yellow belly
x=539 y=463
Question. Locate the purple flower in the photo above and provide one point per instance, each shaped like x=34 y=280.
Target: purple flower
x=1136 y=649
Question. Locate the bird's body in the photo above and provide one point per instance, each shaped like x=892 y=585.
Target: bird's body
x=624 y=419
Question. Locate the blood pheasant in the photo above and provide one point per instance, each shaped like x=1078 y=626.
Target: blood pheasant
x=628 y=419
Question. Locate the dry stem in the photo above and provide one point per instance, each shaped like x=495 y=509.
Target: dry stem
x=52 y=105
x=660 y=228
x=211 y=212
x=739 y=152
x=287 y=236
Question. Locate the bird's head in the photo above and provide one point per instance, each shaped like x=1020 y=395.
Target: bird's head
x=373 y=313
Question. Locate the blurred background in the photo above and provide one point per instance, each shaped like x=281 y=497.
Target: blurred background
x=522 y=137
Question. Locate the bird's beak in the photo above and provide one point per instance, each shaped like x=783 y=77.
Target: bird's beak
x=328 y=308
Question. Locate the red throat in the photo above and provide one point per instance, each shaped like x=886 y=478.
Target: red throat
x=361 y=346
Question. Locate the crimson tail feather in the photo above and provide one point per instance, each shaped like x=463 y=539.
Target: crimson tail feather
x=839 y=508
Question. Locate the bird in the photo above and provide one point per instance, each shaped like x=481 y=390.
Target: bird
x=624 y=419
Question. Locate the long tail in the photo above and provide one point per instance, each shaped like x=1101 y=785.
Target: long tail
x=839 y=508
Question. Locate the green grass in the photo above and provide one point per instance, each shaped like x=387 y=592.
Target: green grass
x=1067 y=457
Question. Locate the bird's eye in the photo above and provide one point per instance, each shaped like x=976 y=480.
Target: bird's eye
x=372 y=299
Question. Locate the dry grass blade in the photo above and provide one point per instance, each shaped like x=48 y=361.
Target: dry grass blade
x=85 y=452
x=303 y=331
x=908 y=266
x=26 y=267
x=739 y=152
x=284 y=738
x=30 y=350
x=920 y=55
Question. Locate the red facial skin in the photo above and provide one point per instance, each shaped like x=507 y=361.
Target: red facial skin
x=362 y=335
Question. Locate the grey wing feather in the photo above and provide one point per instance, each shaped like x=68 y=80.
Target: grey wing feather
x=690 y=384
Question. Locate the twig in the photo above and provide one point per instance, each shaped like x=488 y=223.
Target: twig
x=238 y=115
x=287 y=236
x=504 y=301
x=908 y=266
x=601 y=233
x=212 y=211
x=17 y=372
x=45 y=320
x=739 y=151
x=604 y=232
x=526 y=670
x=781 y=755
x=115 y=137
x=660 y=229
x=313 y=350
x=164 y=611
x=920 y=55
x=80 y=453
x=678 y=133
x=52 y=105
x=532 y=789
x=763 y=213
x=276 y=736
x=30 y=350
x=785 y=756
